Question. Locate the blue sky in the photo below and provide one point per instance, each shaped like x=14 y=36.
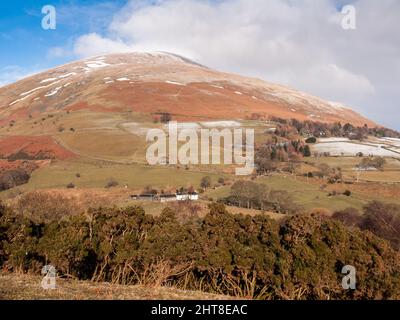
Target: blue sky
x=299 y=43
x=23 y=42
x=27 y=47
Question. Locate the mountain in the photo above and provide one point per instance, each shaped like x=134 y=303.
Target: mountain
x=152 y=83
x=101 y=108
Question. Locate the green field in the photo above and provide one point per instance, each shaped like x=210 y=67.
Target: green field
x=108 y=148
x=96 y=174
x=350 y=163
x=308 y=195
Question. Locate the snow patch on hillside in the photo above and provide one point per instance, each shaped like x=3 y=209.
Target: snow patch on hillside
x=188 y=125
x=59 y=77
x=336 y=105
x=393 y=141
x=333 y=139
x=21 y=99
x=175 y=83
x=351 y=149
x=38 y=88
x=96 y=64
x=67 y=75
x=135 y=128
x=217 y=124
x=53 y=92
x=48 y=80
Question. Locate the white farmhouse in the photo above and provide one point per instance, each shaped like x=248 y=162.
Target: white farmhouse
x=182 y=196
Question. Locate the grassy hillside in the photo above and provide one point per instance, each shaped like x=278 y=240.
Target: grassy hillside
x=309 y=194
x=112 y=146
x=96 y=174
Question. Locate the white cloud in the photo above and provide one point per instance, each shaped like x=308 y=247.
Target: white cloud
x=298 y=43
x=328 y=79
x=92 y=44
x=58 y=52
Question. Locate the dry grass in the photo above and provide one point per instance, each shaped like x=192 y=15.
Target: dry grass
x=28 y=287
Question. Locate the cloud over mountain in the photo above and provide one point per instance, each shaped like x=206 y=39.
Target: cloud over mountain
x=297 y=43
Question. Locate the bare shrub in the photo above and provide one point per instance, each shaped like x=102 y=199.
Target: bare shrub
x=159 y=272
x=350 y=216
x=205 y=182
x=111 y=183
x=383 y=220
x=185 y=210
x=45 y=206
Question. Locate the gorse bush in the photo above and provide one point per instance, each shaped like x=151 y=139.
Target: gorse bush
x=244 y=256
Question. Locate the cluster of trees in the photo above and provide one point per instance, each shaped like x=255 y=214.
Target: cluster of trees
x=22 y=155
x=205 y=182
x=319 y=129
x=44 y=206
x=12 y=178
x=165 y=117
x=376 y=163
x=268 y=155
x=332 y=174
x=251 y=195
x=154 y=191
x=380 y=218
x=243 y=256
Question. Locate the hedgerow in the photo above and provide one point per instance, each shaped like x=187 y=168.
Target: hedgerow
x=240 y=255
